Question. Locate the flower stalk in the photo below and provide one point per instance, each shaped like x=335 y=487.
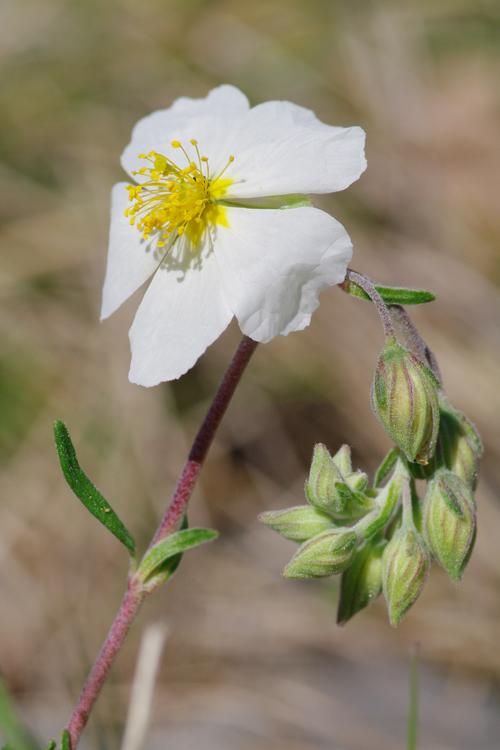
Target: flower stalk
x=136 y=590
x=382 y=309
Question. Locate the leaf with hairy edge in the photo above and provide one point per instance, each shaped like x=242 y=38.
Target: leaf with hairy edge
x=172 y=545
x=172 y=563
x=391 y=295
x=85 y=490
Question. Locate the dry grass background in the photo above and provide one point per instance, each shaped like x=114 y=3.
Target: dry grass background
x=252 y=661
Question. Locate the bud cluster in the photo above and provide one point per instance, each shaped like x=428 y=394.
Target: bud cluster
x=382 y=538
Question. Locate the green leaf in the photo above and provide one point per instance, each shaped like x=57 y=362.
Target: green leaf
x=85 y=490
x=170 y=565
x=52 y=745
x=16 y=735
x=65 y=740
x=392 y=295
x=171 y=546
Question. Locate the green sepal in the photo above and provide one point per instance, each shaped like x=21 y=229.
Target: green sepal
x=450 y=522
x=85 y=490
x=298 y=523
x=324 y=555
x=65 y=740
x=361 y=583
x=405 y=399
x=405 y=566
x=296 y=200
x=387 y=503
x=168 y=548
x=391 y=295
x=386 y=467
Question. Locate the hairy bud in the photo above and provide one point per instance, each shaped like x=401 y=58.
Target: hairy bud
x=405 y=399
x=450 y=522
x=331 y=491
x=299 y=523
x=405 y=566
x=361 y=583
x=459 y=445
x=343 y=461
x=324 y=555
x=459 y=448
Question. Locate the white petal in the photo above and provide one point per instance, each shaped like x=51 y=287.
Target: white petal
x=130 y=260
x=274 y=264
x=183 y=312
x=206 y=119
x=281 y=148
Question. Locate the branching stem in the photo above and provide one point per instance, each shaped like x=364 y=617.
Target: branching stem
x=135 y=593
x=382 y=309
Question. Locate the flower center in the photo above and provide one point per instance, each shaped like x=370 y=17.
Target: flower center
x=175 y=200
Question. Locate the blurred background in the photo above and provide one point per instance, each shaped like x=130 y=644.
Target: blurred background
x=252 y=661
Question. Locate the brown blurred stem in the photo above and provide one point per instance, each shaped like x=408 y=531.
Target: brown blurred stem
x=135 y=593
x=382 y=309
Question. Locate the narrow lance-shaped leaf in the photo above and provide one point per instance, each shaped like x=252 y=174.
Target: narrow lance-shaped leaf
x=172 y=545
x=391 y=295
x=172 y=563
x=65 y=740
x=85 y=490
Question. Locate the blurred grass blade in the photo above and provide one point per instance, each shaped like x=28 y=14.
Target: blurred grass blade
x=85 y=490
x=16 y=735
x=413 y=702
x=141 y=699
x=65 y=740
x=172 y=546
x=391 y=295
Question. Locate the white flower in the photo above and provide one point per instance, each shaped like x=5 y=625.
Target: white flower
x=218 y=216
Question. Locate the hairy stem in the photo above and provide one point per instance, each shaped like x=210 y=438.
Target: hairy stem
x=415 y=340
x=382 y=309
x=176 y=508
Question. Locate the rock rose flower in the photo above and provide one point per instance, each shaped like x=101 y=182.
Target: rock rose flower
x=218 y=216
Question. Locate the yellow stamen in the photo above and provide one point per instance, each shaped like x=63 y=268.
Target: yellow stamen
x=173 y=200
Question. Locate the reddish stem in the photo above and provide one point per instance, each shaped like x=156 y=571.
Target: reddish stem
x=125 y=616
x=176 y=508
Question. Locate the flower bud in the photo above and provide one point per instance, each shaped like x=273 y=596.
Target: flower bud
x=362 y=581
x=342 y=460
x=323 y=475
x=299 y=523
x=357 y=481
x=324 y=555
x=460 y=445
x=458 y=448
x=404 y=570
x=328 y=489
x=450 y=522
x=405 y=399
